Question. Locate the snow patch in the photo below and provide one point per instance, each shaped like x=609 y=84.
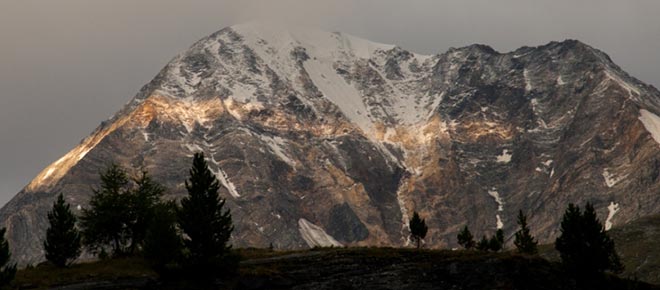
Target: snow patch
x=505 y=157
x=343 y=95
x=625 y=85
x=651 y=122
x=560 y=81
x=194 y=148
x=434 y=105
x=277 y=145
x=500 y=224
x=222 y=176
x=315 y=236
x=528 y=83
x=611 y=179
x=613 y=209
x=405 y=218
x=522 y=55
x=498 y=199
x=500 y=206
x=224 y=180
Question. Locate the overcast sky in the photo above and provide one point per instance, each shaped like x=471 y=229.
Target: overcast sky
x=67 y=65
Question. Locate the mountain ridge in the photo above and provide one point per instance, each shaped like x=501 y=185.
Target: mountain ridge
x=320 y=136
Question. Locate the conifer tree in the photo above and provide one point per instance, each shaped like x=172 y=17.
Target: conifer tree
x=105 y=222
x=62 y=244
x=496 y=242
x=142 y=202
x=524 y=241
x=7 y=271
x=584 y=246
x=483 y=244
x=207 y=227
x=162 y=244
x=418 y=229
x=465 y=238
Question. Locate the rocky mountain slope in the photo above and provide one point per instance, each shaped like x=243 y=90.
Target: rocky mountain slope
x=323 y=138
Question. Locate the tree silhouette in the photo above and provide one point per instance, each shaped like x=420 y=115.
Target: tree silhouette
x=465 y=238
x=524 y=241
x=207 y=227
x=162 y=244
x=584 y=246
x=142 y=202
x=483 y=244
x=496 y=242
x=62 y=244
x=105 y=222
x=418 y=229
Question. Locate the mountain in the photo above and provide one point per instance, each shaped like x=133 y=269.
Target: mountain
x=323 y=138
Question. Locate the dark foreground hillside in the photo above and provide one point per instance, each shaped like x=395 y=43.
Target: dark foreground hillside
x=638 y=244
x=356 y=268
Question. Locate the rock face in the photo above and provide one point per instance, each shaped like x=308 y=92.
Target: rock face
x=325 y=139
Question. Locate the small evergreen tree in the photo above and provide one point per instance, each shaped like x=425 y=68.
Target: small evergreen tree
x=524 y=241
x=162 y=244
x=62 y=244
x=584 y=246
x=465 y=238
x=105 y=222
x=206 y=225
x=7 y=271
x=483 y=244
x=418 y=229
x=142 y=202
x=496 y=242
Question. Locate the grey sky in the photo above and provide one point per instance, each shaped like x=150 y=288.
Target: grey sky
x=66 y=65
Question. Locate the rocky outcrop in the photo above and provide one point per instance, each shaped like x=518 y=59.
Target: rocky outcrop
x=324 y=139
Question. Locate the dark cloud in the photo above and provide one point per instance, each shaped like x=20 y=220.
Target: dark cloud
x=66 y=65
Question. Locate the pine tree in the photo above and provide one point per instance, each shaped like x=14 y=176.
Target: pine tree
x=142 y=202
x=7 y=271
x=105 y=222
x=201 y=217
x=483 y=244
x=418 y=229
x=62 y=244
x=465 y=238
x=524 y=241
x=162 y=244
x=496 y=242
x=584 y=246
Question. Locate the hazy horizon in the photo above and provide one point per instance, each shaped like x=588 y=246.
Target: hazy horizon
x=67 y=65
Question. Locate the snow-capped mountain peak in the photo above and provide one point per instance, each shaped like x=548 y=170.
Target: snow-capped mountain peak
x=323 y=138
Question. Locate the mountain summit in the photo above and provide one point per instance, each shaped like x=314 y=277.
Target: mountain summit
x=323 y=139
